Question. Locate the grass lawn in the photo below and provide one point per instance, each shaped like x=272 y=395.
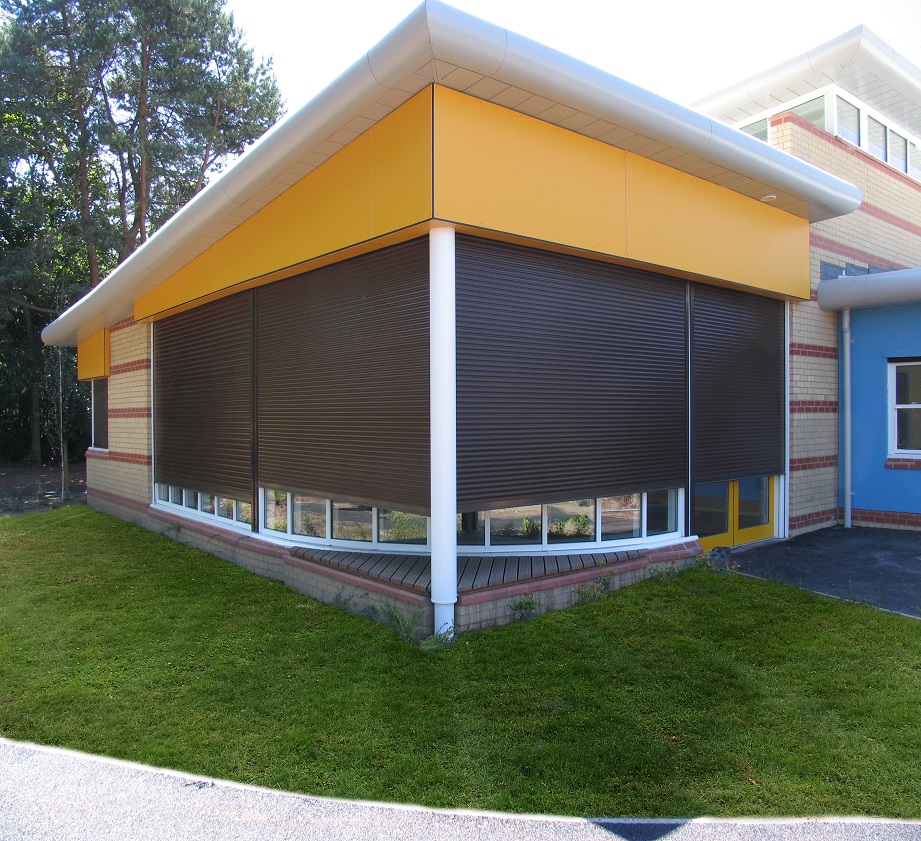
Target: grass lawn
x=696 y=694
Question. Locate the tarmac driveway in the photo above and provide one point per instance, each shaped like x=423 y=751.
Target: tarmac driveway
x=879 y=567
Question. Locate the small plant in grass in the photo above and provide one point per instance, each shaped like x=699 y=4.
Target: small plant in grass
x=407 y=628
x=438 y=640
x=703 y=561
x=592 y=592
x=525 y=606
x=343 y=601
x=660 y=573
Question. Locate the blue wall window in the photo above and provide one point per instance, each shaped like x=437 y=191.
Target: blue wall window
x=905 y=406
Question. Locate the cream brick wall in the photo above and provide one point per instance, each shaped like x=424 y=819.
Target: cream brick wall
x=125 y=469
x=885 y=232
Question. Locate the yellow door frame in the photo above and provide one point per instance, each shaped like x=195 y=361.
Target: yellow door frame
x=736 y=536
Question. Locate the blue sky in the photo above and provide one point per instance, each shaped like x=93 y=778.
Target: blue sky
x=681 y=50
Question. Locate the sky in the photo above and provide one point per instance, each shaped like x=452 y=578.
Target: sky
x=680 y=50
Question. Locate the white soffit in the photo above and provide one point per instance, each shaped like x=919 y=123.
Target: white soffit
x=438 y=43
x=858 y=61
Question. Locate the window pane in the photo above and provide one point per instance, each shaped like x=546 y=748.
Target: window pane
x=812 y=111
x=848 y=122
x=907 y=384
x=754 y=502
x=163 y=493
x=914 y=161
x=225 y=508
x=309 y=515
x=711 y=508
x=898 y=151
x=620 y=517
x=508 y=526
x=401 y=527
x=245 y=513
x=908 y=424
x=191 y=499
x=571 y=522
x=352 y=521
x=100 y=402
x=758 y=129
x=661 y=512
x=207 y=503
x=276 y=510
x=876 y=142
x=175 y=495
x=471 y=528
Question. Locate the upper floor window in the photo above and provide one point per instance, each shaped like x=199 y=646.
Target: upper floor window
x=848 y=121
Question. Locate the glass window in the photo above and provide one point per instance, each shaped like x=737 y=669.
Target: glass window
x=898 y=151
x=711 y=508
x=661 y=512
x=309 y=515
x=244 y=513
x=225 y=508
x=471 y=528
x=571 y=522
x=907 y=406
x=621 y=517
x=754 y=502
x=914 y=161
x=876 y=140
x=757 y=129
x=162 y=493
x=352 y=521
x=175 y=495
x=207 y=503
x=401 y=527
x=100 y=411
x=812 y=111
x=190 y=499
x=276 y=510
x=511 y=526
x=848 y=122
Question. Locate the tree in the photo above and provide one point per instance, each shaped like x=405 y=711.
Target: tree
x=112 y=116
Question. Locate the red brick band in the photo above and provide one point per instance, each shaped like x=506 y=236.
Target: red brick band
x=818 y=351
x=814 y=518
x=805 y=407
x=886 y=518
x=130 y=413
x=128 y=367
x=121 y=325
x=842 y=250
x=813 y=462
x=125 y=458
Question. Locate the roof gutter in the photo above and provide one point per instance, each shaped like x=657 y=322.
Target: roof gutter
x=437 y=31
x=870 y=290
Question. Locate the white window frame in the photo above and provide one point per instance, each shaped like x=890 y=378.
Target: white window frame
x=894 y=410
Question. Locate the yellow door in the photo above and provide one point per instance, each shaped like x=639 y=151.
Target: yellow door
x=733 y=512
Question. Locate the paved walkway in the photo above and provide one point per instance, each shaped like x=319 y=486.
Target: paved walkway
x=49 y=794
x=879 y=567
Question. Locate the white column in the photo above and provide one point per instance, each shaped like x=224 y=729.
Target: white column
x=443 y=426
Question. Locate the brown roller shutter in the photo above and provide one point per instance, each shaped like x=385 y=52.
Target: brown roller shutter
x=737 y=385
x=203 y=398
x=571 y=377
x=343 y=362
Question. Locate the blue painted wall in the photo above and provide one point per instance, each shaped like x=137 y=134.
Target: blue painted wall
x=878 y=335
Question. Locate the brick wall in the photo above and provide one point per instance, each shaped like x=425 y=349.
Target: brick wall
x=124 y=470
x=885 y=232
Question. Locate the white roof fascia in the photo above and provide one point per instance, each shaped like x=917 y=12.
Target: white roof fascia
x=438 y=31
x=830 y=63
x=866 y=291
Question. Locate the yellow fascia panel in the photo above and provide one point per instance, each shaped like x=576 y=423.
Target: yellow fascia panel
x=379 y=183
x=504 y=171
x=93 y=356
x=685 y=223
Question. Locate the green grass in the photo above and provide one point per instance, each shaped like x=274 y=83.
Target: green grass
x=700 y=693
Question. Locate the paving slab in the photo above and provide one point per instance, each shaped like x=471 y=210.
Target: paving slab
x=878 y=567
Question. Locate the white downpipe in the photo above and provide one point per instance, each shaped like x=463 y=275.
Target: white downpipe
x=846 y=410
x=443 y=423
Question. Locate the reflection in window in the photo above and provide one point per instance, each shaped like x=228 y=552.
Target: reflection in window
x=754 y=502
x=621 y=517
x=245 y=513
x=207 y=503
x=876 y=138
x=757 y=129
x=711 y=508
x=471 y=528
x=276 y=511
x=401 y=527
x=661 y=511
x=848 y=122
x=352 y=521
x=571 y=522
x=812 y=111
x=510 y=526
x=225 y=508
x=309 y=515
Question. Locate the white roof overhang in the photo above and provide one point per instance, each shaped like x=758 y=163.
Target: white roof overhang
x=440 y=44
x=867 y=291
x=859 y=62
